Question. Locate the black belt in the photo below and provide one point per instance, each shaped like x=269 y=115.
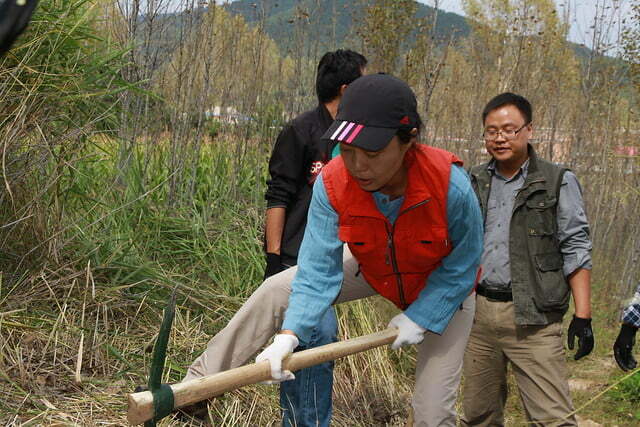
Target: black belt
x=495 y=294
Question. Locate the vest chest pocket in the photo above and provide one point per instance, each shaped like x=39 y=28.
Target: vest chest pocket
x=418 y=251
x=362 y=241
x=540 y=216
x=368 y=245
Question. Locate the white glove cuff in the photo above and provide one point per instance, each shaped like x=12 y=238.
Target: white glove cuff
x=286 y=341
x=402 y=321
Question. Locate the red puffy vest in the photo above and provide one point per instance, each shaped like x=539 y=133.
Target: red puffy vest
x=396 y=259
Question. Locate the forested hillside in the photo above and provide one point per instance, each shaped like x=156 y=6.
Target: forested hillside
x=333 y=22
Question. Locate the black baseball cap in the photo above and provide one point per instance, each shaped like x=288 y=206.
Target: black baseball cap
x=372 y=110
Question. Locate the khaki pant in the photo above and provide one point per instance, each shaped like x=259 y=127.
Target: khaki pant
x=439 y=361
x=537 y=358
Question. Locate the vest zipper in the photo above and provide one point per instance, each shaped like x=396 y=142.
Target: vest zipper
x=392 y=250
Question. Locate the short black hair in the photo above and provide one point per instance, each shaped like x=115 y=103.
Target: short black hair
x=336 y=69
x=508 y=98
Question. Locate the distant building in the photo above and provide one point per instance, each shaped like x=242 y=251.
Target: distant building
x=227 y=115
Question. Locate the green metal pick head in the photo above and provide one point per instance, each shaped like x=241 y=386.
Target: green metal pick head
x=162 y=393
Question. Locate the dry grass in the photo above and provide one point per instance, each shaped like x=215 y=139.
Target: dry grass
x=41 y=342
x=41 y=347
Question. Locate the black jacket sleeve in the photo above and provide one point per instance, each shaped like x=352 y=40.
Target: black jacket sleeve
x=285 y=168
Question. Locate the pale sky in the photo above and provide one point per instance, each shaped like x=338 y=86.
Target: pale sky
x=581 y=15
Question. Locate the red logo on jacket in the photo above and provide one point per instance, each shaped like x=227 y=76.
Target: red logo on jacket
x=314 y=170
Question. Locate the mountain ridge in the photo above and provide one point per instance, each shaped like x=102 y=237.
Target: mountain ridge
x=334 y=21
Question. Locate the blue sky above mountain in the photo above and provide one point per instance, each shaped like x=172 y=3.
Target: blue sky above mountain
x=581 y=14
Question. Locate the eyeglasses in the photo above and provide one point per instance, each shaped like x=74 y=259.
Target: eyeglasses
x=492 y=134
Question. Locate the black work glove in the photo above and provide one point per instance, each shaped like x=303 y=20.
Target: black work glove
x=580 y=328
x=274 y=265
x=623 y=348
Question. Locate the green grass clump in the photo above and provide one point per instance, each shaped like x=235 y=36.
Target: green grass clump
x=625 y=395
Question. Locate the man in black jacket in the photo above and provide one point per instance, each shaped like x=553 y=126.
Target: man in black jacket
x=298 y=157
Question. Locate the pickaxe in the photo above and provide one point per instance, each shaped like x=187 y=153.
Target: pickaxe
x=162 y=401
x=156 y=403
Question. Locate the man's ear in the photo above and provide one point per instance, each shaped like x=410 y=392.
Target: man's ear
x=342 y=89
x=407 y=146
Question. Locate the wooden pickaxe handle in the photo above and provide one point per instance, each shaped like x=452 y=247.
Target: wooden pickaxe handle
x=199 y=389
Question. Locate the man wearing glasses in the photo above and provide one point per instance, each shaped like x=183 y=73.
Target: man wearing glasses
x=536 y=254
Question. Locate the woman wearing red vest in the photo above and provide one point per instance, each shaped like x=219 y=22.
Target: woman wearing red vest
x=413 y=229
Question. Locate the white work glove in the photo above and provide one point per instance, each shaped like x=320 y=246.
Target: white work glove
x=283 y=344
x=409 y=332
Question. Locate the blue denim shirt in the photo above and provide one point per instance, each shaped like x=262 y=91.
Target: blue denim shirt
x=319 y=278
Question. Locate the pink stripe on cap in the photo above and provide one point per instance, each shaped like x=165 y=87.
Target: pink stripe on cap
x=345 y=132
x=355 y=133
x=338 y=130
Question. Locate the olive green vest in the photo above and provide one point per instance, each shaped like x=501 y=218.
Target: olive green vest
x=540 y=290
